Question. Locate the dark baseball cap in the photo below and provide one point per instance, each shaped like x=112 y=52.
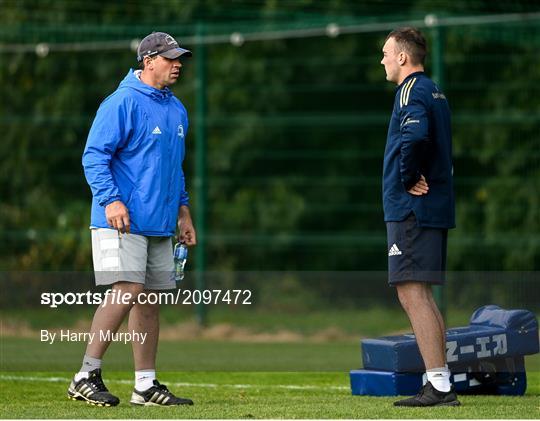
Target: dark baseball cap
x=160 y=43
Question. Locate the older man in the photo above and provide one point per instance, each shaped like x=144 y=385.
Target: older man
x=133 y=164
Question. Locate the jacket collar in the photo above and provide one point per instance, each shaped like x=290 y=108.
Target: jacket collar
x=132 y=81
x=421 y=72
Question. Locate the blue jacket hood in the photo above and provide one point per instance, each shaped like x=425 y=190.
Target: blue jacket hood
x=131 y=81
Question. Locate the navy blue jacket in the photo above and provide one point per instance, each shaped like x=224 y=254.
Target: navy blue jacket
x=419 y=142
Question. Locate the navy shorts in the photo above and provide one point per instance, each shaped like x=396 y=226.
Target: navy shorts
x=415 y=253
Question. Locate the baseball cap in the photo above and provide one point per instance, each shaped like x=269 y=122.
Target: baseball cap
x=160 y=43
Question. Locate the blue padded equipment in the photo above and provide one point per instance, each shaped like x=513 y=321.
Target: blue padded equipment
x=485 y=357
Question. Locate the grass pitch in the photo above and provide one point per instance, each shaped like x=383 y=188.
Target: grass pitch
x=232 y=380
x=304 y=395
x=240 y=380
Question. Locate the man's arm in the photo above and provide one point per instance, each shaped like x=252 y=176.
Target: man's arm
x=109 y=131
x=185 y=225
x=414 y=127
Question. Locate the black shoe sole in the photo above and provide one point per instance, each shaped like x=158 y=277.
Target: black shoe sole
x=79 y=397
x=452 y=403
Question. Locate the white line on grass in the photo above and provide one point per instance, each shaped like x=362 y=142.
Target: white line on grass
x=184 y=384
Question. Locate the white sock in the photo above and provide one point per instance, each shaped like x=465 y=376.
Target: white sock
x=88 y=364
x=144 y=379
x=81 y=375
x=439 y=378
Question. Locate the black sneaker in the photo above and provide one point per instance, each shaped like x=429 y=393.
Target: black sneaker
x=429 y=396
x=92 y=390
x=157 y=395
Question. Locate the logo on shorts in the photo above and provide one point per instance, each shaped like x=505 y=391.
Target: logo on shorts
x=181 y=131
x=394 y=251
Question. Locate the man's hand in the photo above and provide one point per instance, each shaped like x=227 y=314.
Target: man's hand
x=185 y=226
x=118 y=216
x=421 y=187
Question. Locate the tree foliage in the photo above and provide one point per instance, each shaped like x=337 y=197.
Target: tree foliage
x=296 y=131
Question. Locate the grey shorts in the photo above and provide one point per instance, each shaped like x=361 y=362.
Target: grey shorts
x=132 y=258
x=415 y=253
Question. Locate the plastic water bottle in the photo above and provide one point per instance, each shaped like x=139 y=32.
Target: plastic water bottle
x=180 y=258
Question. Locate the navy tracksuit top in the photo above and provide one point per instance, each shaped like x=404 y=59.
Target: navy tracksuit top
x=419 y=142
